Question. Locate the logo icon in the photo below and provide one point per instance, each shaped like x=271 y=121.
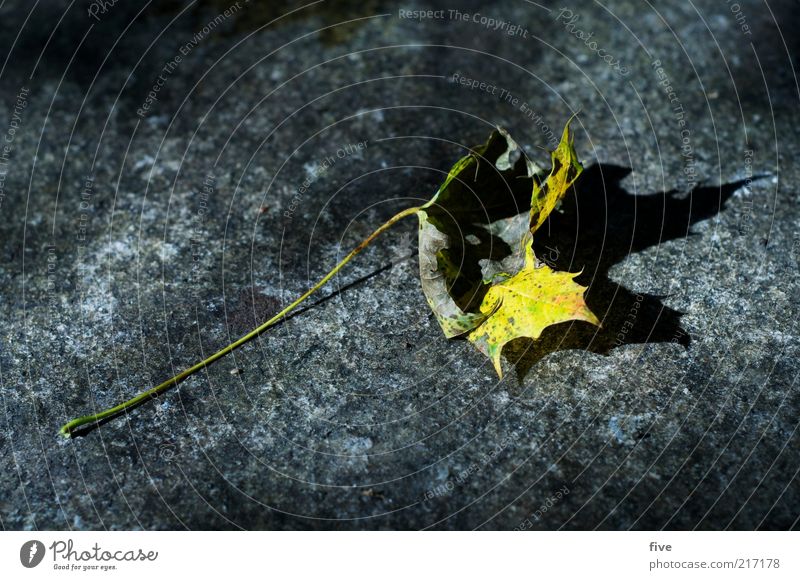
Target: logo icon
x=31 y=553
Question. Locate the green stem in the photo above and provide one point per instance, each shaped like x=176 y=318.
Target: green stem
x=68 y=429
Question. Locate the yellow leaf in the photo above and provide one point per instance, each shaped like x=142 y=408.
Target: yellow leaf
x=469 y=227
x=524 y=304
x=565 y=171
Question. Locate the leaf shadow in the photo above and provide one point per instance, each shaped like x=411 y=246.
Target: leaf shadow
x=599 y=226
x=478 y=211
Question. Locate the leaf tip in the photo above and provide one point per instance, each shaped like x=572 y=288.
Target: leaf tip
x=497 y=364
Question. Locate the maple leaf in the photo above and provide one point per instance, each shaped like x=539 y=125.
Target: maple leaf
x=525 y=304
x=478 y=270
x=518 y=296
x=468 y=230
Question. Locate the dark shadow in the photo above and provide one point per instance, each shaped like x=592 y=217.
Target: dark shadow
x=471 y=210
x=600 y=224
x=251 y=309
x=84 y=430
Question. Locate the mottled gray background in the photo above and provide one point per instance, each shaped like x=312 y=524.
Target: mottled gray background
x=358 y=413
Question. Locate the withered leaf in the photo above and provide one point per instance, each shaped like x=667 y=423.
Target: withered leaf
x=478 y=269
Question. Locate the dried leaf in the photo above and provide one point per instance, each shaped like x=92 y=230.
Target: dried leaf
x=524 y=304
x=470 y=226
x=477 y=265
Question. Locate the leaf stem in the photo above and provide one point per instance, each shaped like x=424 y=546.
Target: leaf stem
x=68 y=429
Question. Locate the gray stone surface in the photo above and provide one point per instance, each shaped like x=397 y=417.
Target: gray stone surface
x=358 y=413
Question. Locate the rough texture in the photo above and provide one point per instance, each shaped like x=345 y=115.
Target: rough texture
x=358 y=413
